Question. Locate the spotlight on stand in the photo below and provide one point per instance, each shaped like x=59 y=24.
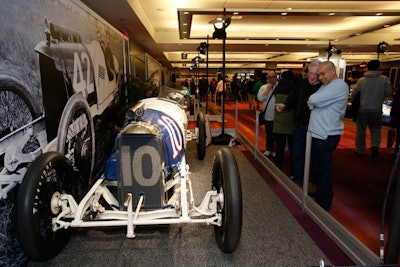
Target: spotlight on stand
x=382 y=48
x=333 y=50
x=202 y=48
x=220 y=25
x=196 y=60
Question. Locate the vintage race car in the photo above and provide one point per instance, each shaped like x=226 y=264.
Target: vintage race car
x=146 y=182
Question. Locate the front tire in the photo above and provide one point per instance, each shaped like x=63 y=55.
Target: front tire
x=49 y=173
x=226 y=180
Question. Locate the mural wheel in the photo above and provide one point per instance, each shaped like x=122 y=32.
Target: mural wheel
x=17 y=105
x=76 y=137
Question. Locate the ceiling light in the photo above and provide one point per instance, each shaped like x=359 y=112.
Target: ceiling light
x=284 y=13
x=379 y=14
x=332 y=14
x=220 y=24
x=386 y=26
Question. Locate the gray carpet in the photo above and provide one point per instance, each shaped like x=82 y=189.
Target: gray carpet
x=270 y=235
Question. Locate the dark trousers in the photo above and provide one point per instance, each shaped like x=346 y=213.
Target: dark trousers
x=322 y=169
x=299 y=151
x=269 y=125
x=397 y=140
x=281 y=140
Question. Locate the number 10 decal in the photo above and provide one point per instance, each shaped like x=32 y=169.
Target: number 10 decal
x=174 y=134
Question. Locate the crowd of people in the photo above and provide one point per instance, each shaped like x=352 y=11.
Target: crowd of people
x=314 y=102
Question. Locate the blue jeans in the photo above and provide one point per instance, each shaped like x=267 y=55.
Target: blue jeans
x=322 y=169
x=299 y=150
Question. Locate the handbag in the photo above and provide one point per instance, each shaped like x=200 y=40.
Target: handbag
x=261 y=120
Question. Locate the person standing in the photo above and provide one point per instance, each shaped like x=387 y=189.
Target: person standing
x=297 y=100
x=213 y=87
x=250 y=91
x=235 y=87
x=203 y=88
x=266 y=94
x=256 y=88
x=221 y=89
x=373 y=87
x=283 y=121
x=193 y=88
x=395 y=114
x=328 y=106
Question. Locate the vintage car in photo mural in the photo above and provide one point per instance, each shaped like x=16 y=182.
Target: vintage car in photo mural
x=79 y=81
x=61 y=73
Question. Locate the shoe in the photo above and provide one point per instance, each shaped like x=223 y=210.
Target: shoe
x=273 y=154
x=267 y=153
x=375 y=152
x=312 y=194
x=358 y=153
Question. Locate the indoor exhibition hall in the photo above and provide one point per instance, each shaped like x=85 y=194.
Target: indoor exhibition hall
x=199 y=133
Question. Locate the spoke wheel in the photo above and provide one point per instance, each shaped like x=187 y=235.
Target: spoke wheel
x=76 y=138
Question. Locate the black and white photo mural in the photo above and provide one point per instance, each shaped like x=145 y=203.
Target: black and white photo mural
x=61 y=72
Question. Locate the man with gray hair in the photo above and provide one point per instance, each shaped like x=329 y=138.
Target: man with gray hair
x=297 y=100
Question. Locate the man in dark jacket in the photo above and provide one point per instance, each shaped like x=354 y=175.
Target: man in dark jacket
x=203 y=88
x=297 y=100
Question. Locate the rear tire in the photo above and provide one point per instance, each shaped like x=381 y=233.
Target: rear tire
x=49 y=173
x=226 y=179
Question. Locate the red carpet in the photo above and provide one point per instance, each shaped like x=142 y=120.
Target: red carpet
x=359 y=182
